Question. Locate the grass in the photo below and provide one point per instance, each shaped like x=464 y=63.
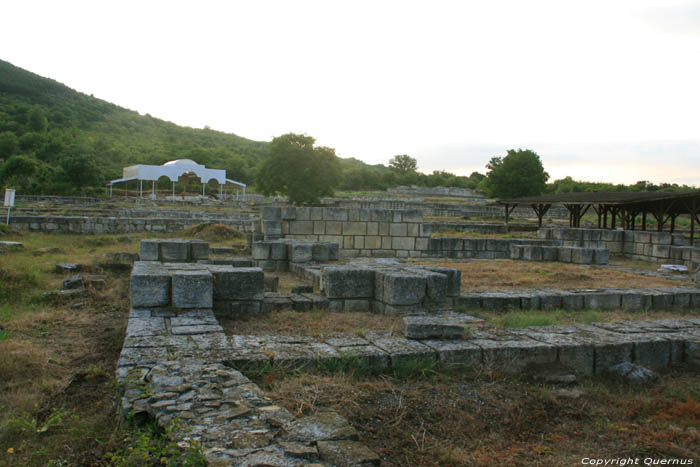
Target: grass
x=481 y=275
x=57 y=356
x=422 y=419
x=318 y=323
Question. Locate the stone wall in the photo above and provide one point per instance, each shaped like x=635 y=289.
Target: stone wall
x=436 y=191
x=110 y=225
x=660 y=247
x=358 y=232
x=478 y=248
x=276 y=255
x=447 y=210
x=436 y=227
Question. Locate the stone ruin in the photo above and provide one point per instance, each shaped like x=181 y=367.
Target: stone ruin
x=178 y=365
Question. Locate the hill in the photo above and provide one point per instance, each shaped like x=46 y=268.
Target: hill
x=55 y=140
x=68 y=139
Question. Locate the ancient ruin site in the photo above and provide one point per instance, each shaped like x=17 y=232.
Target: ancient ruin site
x=410 y=328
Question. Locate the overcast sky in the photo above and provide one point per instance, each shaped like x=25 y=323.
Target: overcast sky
x=602 y=90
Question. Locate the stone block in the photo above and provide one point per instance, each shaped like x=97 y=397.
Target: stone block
x=373 y=242
x=359 y=242
x=437 y=327
x=303 y=213
x=602 y=301
x=600 y=256
x=421 y=244
x=347 y=282
x=278 y=251
x=499 y=301
x=357 y=305
x=199 y=250
x=192 y=289
x=348 y=242
x=335 y=214
x=398 y=230
x=333 y=251
x=412 y=215
x=334 y=228
x=288 y=214
x=403 y=243
x=550 y=253
x=271 y=213
x=174 y=250
x=301 y=227
x=261 y=250
x=239 y=284
x=512 y=354
x=634 y=300
x=516 y=252
x=380 y=215
x=319 y=252
x=150 y=250
x=354 y=228
x=150 y=288
x=532 y=253
x=399 y=288
x=300 y=252
x=581 y=255
x=454 y=279
x=456 y=352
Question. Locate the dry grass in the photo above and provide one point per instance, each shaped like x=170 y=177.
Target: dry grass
x=215 y=233
x=287 y=280
x=480 y=275
x=57 y=355
x=312 y=323
x=487 y=419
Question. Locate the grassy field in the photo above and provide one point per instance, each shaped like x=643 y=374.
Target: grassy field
x=479 y=275
x=436 y=416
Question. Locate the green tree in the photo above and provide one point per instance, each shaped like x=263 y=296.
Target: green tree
x=80 y=170
x=403 y=163
x=36 y=119
x=8 y=144
x=519 y=173
x=299 y=170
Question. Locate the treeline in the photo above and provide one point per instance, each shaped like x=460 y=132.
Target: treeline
x=569 y=185
x=55 y=140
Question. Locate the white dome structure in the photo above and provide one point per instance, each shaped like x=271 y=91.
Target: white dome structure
x=174 y=170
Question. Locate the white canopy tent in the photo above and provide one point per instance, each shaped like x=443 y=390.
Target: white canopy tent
x=174 y=170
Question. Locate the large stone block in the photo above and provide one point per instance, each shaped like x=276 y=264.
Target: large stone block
x=150 y=250
x=239 y=284
x=400 y=288
x=192 y=289
x=403 y=243
x=261 y=250
x=602 y=301
x=300 y=252
x=398 y=230
x=454 y=279
x=199 y=250
x=335 y=214
x=347 y=282
x=380 y=215
x=278 y=251
x=150 y=288
x=550 y=253
x=320 y=252
x=175 y=250
x=581 y=255
x=301 y=227
x=272 y=213
x=600 y=256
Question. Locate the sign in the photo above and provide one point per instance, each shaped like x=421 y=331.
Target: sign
x=9 y=198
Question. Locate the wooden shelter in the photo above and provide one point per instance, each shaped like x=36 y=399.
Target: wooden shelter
x=625 y=207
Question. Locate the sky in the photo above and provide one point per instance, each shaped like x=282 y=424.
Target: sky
x=601 y=90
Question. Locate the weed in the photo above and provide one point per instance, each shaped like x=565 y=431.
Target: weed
x=150 y=445
x=27 y=423
x=418 y=367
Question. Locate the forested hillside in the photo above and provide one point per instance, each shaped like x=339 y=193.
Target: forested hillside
x=56 y=140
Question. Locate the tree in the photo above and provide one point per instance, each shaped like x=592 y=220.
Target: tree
x=403 y=163
x=8 y=144
x=294 y=167
x=36 y=120
x=80 y=170
x=519 y=173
